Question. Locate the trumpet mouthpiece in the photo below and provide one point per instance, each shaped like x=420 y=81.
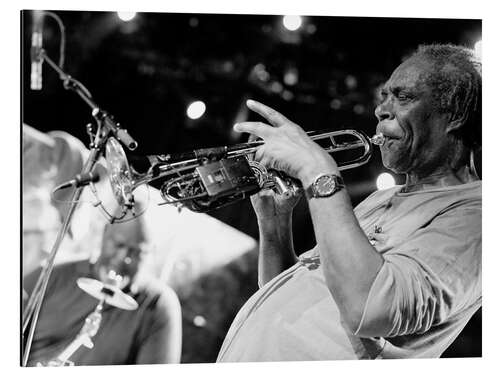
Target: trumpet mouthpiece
x=378 y=139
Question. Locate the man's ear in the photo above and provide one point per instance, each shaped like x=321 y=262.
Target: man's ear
x=454 y=126
x=455 y=122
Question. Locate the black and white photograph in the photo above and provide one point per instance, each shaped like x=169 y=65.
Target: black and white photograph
x=227 y=187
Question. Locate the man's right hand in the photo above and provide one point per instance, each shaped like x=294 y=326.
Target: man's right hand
x=274 y=216
x=269 y=205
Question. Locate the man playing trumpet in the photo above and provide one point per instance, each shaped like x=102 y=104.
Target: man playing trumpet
x=400 y=275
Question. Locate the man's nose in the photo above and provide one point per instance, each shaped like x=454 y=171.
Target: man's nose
x=383 y=111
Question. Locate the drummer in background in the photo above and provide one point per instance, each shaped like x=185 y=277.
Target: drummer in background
x=150 y=334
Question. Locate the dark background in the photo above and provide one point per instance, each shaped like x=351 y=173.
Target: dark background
x=146 y=71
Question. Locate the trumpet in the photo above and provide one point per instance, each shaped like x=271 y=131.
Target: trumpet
x=206 y=179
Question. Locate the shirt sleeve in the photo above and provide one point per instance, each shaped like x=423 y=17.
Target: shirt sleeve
x=161 y=332
x=433 y=275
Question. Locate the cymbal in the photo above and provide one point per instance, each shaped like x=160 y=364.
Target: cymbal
x=110 y=293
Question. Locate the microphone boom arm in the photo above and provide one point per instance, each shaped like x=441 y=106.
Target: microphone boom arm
x=104 y=117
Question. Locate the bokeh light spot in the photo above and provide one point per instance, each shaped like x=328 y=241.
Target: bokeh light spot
x=196 y=109
x=385 y=181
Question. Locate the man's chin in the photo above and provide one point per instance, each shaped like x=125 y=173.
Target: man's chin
x=395 y=166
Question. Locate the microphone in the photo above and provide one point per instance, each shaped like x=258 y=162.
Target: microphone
x=36 y=47
x=123 y=136
x=79 y=180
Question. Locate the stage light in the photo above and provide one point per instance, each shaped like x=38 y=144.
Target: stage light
x=336 y=104
x=287 y=95
x=291 y=76
x=292 y=23
x=194 y=22
x=351 y=82
x=196 y=109
x=276 y=87
x=199 y=321
x=126 y=16
x=260 y=72
x=359 y=109
x=478 y=48
x=385 y=181
x=311 y=29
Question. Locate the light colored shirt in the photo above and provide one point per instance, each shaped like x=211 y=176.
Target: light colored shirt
x=427 y=289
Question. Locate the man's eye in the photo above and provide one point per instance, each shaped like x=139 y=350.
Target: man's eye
x=403 y=97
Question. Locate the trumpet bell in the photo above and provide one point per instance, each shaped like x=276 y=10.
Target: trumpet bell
x=120 y=174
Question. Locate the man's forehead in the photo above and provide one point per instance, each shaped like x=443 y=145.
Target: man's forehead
x=130 y=232
x=410 y=74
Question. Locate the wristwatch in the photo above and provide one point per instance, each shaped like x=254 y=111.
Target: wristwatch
x=325 y=185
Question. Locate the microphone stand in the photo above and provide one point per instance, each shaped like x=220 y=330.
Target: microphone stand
x=106 y=127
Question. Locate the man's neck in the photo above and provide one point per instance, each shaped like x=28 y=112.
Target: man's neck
x=439 y=178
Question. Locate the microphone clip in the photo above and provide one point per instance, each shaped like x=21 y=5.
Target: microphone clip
x=82 y=179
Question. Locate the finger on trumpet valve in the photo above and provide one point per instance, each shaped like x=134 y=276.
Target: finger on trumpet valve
x=281 y=186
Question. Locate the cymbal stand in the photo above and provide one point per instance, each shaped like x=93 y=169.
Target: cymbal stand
x=89 y=330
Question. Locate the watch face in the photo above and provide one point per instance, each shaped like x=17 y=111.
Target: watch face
x=325 y=185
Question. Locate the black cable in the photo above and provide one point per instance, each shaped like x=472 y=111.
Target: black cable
x=62 y=52
x=62 y=43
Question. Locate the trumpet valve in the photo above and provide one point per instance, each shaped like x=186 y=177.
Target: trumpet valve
x=283 y=185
